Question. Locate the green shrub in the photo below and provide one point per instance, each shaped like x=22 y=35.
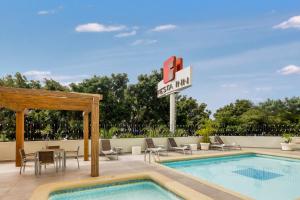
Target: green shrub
x=48 y=130
x=109 y=133
x=127 y=135
x=160 y=131
x=180 y=132
x=3 y=138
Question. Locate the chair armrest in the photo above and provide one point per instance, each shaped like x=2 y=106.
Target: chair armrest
x=71 y=151
x=217 y=143
x=30 y=154
x=184 y=145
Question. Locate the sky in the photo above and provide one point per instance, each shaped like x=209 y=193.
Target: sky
x=237 y=49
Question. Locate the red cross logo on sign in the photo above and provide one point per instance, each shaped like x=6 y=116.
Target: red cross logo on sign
x=171 y=66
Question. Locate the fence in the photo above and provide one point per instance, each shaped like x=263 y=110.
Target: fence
x=60 y=131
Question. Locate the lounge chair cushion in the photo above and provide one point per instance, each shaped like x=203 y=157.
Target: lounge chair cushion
x=109 y=152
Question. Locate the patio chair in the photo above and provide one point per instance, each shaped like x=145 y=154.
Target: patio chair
x=152 y=148
x=173 y=146
x=73 y=154
x=45 y=158
x=25 y=158
x=53 y=147
x=218 y=143
x=107 y=150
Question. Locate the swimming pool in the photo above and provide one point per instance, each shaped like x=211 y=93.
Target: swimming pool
x=258 y=176
x=129 y=190
x=143 y=186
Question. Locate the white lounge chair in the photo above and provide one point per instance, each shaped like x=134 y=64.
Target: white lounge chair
x=107 y=150
x=173 y=146
x=219 y=144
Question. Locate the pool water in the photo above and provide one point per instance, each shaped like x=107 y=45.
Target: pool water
x=133 y=190
x=257 y=176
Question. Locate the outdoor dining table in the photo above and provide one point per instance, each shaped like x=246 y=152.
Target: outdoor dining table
x=60 y=158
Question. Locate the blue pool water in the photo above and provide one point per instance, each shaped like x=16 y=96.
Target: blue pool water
x=133 y=190
x=257 y=176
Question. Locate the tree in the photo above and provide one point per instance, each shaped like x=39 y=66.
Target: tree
x=190 y=112
x=143 y=105
x=230 y=114
x=51 y=84
x=113 y=106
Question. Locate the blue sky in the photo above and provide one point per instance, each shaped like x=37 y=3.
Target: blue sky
x=238 y=49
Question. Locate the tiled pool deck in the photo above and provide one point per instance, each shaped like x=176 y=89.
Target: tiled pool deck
x=19 y=187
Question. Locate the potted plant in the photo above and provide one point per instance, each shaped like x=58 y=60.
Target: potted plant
x=206 y=131
x=287 y=145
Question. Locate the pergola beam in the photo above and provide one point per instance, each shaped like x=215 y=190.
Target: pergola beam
x=46 y=93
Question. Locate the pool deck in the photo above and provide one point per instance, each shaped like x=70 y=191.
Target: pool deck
x=14 y=186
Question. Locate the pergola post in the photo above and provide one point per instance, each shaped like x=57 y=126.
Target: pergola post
x=19 y=135
x=95 y=138
x=86 y=135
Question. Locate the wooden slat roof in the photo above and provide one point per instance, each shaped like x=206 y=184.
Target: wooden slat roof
x=20 y=98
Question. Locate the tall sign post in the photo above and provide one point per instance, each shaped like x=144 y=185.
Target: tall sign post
x=175 y=79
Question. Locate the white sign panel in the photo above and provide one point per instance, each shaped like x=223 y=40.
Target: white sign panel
x=183 y=79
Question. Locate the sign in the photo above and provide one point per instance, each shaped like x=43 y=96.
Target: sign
x=175 y=79
x=182 y=79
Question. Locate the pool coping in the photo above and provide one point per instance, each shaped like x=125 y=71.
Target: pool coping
x=43 y=191
x=219 y=154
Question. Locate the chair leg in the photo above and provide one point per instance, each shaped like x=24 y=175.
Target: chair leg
x=21 y=168
x=78 y=162
x=24 y=166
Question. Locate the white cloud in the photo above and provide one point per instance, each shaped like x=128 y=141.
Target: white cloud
x=45 y=12
x=96 y=27
x=126 y=34
x=289 y=69
x=293 y=22
x=64 y=79
x=166 y=27
x=50 y=12
x=143 y=42
x=39 y=75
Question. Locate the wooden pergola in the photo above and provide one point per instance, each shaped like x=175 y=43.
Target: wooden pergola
x=19 y=100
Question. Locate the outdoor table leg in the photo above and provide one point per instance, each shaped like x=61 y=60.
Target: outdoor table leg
x=59 y=161
x=35 y=166
x=64 y=160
